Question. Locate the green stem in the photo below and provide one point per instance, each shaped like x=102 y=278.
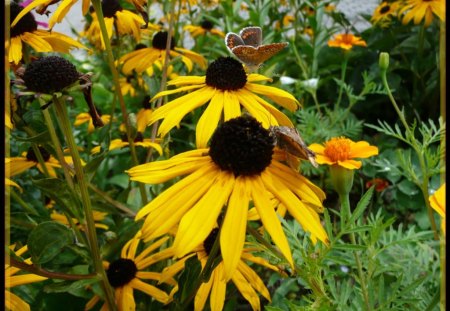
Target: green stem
x=98 y=10
x=343 y=72
x=19 y=200
x=64 y=122
x=443 y=269
x=58 y=148
x=420 y=154
x=345 y=218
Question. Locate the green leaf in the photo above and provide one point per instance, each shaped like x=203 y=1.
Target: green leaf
x=350 y=247
x=362 y=205
x=188 y=279
x=47 y=240
x=41 y=138
x=408 y=187
x=62 y=194
x=67 y=286
x=91 y=167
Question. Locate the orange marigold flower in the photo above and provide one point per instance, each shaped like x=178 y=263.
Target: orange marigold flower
x=380 y=184
x=341 y=151
x=346 y=41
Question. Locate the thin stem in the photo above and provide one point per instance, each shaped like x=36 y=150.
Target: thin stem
x=98 y=10
x=57 y=145
x=420 y=154
x=345 y=218
x=111 y=201
x=343 y=72
x=25 y=205
x=443 y=269
x=86 y=200
x=49 y=274
x=40 y=159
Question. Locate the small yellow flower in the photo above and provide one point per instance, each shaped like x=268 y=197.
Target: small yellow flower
x=384 y=13
x=86 y=117
x=98 y=216
x=437 y=202
x=341 y=151
x=346 y=41
x=419 y=10
x=202 y=29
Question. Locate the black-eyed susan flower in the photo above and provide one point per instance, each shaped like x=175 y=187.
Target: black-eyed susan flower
x=85 y=117
x=205 y=27
x=419 y=10
x=26 y=31
x=342 y=151
x=226 y=87
x=246 y=280
x=346 y=41
x=143 y=58
x=122 y=142
x=437 y=202
x=18 y=165
x=384 y=12
x=14 y=278
x=129 y=273
x=125 y=22
x=97 y=215
x=239 y=167
x=131 y=85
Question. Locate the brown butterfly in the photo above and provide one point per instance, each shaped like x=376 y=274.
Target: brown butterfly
x=289 y=140
x=248 y=47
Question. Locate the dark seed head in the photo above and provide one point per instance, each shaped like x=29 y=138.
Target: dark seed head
x=242 y=146
x=209 y=241
x=160 y=40
x=385 y=9
x=26 y=23
x=226 y=73
x=50 y=74
x=110 y=7
x=121 y=272
x=31 y=156
x=207 y=25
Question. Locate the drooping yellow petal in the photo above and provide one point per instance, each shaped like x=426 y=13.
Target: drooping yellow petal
x=126 y=297
x=22 y=279
x=254 y=280
x=18 y=165
x=202 y=295
x=15 y=50
x=246 y=290
x=14 y=302
x=232 y=234
x=61 y=12
x=36 y=42
x=150 y=290
x=200 y=220
x=279 y=96
x=269 y=218
x=232 y=108
x=219 y=286
x=188 y=80
x=28 y=9
x=207 y=123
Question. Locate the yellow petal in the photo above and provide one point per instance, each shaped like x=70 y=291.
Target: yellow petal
x=207 y=123
x=219 y=286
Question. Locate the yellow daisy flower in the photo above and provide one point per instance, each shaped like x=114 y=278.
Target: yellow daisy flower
x=384 y=13
x=98 y=216
x=346 y=41
x=25 y=31
x=437 y=202
x=129 y=273
x=204 y=28
x=12 y=279
x=123 y=142
x=143 y=58
x=131 y=85
x=239 y=167
x=341 y=151
x=226 y=87
x=125 y=22
x=246 y=280
x=419 y=10
x=85 y=117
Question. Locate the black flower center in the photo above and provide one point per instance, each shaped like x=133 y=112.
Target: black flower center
x=385 y=9
x=50 y=74
x=226 y=73
x=121 y=272
x=110 y=7
x=139 y=137
x=160 y=40
x=242 y=146
x=209 y=241
x=146 y=102
x=26 y=23
x=207 y=25
x=31 y=156
x=140 y=46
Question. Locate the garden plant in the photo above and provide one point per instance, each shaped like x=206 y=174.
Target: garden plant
x=225 y=155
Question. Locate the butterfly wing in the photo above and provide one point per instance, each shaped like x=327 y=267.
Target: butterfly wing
x=251 y=36
x=232 y=40
x=247 y=54
x=269 y=50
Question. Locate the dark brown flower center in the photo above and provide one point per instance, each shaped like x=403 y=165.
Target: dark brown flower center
x=226 y=73
x=31 y=156
x=207 y=25
x=50 y=74
x=110 y=7
x=160 y=40
x=242 y=146
x=209 y=241
x=385 y=9
x=139 y=137
x=25 y=24
x=121 y=272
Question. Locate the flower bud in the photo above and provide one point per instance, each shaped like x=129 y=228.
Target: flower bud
x=384 y=61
